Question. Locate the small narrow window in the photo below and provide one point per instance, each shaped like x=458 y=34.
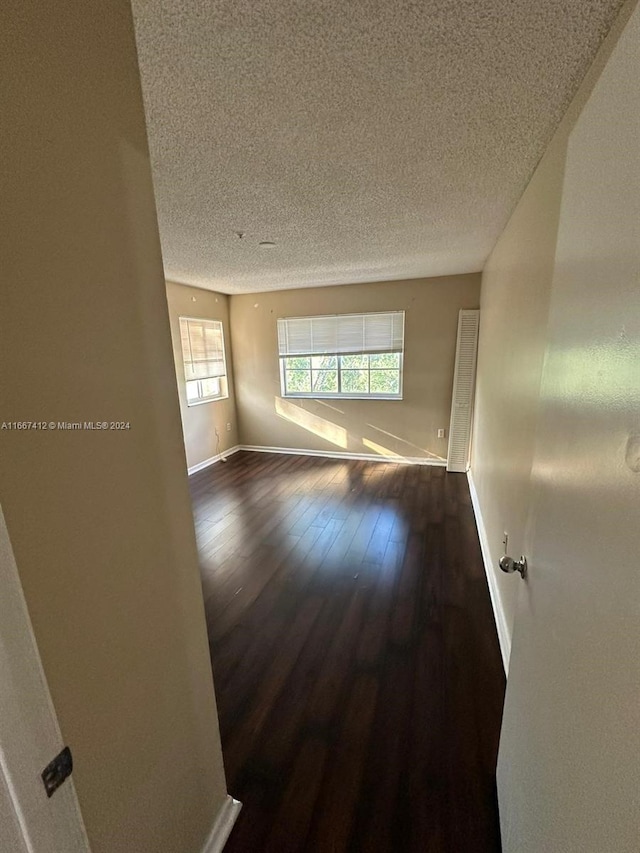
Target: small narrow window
x=205 y=369
x=346 y=355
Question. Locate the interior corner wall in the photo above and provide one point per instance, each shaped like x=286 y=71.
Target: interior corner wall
x=200 y=422
x=567 y=774
x=406 y=428
x=100 y=520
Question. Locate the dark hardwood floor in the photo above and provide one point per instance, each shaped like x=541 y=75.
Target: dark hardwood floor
x=355 y=658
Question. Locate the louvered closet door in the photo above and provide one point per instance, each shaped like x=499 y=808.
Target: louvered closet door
x=464 y=381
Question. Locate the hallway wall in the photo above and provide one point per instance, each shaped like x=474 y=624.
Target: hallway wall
x=514 y=301
x=568 y=761
x=100 y=520
x=514 y=304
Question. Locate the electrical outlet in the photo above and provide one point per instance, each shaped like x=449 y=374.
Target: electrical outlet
x=441 y=433
x=228 y=427
x=505 y=541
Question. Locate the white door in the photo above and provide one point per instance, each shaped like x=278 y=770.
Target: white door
x=30 y=821
x=569 y=763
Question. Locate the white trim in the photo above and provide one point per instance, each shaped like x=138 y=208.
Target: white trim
x=30 y=734
x=199 y=466
x=504 y=636
x=331 y=454
x=222 y=826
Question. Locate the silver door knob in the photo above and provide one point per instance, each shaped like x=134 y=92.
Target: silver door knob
x=509 y=565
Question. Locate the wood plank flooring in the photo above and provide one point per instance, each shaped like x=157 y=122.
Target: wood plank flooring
x=356 y=664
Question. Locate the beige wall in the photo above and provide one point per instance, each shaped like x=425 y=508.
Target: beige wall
x=514 y=304
x=199 y=423
x=100 y=521
x=568 y=767
x=406 y=428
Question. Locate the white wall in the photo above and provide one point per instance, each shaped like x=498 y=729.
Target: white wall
x=568 y=769
x=514 y=301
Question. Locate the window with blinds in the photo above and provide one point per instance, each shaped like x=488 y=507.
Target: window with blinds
x=347 y=355
x=205 y=369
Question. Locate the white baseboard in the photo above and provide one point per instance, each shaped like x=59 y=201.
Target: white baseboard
x=222 y=826
x=504 y=636
x=332 y=454
x=200 y=466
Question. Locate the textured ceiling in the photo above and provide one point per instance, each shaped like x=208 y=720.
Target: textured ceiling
x=368 y=140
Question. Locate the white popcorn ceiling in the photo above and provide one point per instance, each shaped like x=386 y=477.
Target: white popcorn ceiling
x=373 y=140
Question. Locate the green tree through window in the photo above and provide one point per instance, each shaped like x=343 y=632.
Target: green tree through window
x=362 y=375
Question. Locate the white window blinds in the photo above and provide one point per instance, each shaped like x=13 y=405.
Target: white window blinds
x=341 y=334
x=202 y=348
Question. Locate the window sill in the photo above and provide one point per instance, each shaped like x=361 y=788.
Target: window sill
x=208 y=400
x=341 y=397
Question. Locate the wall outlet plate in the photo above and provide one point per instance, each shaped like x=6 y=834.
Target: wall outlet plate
x=441 y=433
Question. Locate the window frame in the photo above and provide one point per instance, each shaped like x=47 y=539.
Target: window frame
x=223 y=379
x=340 y=394
x=340 y=370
